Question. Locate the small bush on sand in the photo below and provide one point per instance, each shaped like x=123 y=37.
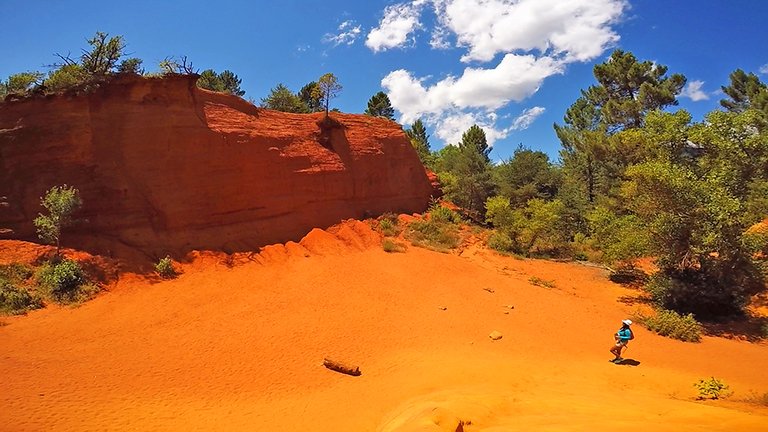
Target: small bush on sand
x=15 y=300
x=671 y=324
x=16 y=272
x=65 y=282
x=437 y=236
x=541 y=282
x=712 y=389
x=440 y=214
x=165 y=269
x=500 y=241
x=391 y=246
x=389 y=227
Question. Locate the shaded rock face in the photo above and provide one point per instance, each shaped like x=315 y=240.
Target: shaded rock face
x=165 y=167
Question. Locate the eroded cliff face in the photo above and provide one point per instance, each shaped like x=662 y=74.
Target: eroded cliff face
x=164 y=167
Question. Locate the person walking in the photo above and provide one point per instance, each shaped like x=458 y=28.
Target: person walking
x=623 y=336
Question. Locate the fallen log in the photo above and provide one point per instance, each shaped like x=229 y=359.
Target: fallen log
x=341 y=367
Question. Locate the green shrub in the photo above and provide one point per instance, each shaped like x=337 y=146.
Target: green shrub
x=433 y=235
x=165 y=269
x=390 y=246
x=708 y=294
x=541 y=282
x=712 y=389
x=440 y=214
x=15 y=272
x=388 y=227
x=500 y=241
x=65 y=282
x=671 y=324
x=14 y=300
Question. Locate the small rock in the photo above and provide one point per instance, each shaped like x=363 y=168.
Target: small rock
x=490 y=290
x=495 y=335
x=506 y=312
x=509 y=307
x=442 y=307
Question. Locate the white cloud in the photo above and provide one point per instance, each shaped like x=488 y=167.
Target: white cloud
x=694 y=92
x=527 y=118
x=513 y=79
x=764 y=69
x=347 y=34
x=577 y=29
x=514 y=46
x=395 y=27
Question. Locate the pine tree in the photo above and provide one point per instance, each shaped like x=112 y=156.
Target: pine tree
x=420 y=141
x=745 y=91
x=282 y=99
x=328 y=87
x=380 y=106
x=310 y=97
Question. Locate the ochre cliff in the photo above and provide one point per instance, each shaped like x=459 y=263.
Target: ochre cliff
x=164 y=167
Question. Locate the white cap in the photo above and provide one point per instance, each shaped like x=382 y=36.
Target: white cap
x=627 y=322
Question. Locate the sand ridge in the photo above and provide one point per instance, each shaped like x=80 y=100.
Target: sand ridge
x=240 y=346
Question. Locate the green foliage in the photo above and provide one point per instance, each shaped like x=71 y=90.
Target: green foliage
x=65 y=77
x=527 y=175
x=622 y=238
x=328 y=87
x=102 y=58
x=131 y=65
x=698 y=211
x=436 y=235
x=164 y=268
x=225 y=82
x=15 y=272
x=712 y=389
x=389 y=226
x=745 y=92
x=282 y=99
x=310 y=96
x=628 y=89
x=671 y=324
x=391 y=246
x=534 y=228
x=500 y=241
x=61 y=202
x=441 y=214
x=65 y=282
x=21 y=83
x=380 y=106
x=417 y=133
x=15 y=298
x=470 y=166
x=542 y=282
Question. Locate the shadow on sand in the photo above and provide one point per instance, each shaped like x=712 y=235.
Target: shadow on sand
x=628 y=362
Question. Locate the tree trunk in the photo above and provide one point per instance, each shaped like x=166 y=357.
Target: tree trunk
x=341 y=367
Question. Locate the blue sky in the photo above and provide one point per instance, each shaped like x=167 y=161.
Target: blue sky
x=513 y=66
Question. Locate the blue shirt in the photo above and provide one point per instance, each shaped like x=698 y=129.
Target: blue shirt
x=624 y=334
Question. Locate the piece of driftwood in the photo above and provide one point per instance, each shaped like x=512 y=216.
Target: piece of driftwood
x=341 y=367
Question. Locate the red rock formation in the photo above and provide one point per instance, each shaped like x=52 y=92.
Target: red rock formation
x=164 y=167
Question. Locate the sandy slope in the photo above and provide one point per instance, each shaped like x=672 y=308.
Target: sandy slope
x=236 y=349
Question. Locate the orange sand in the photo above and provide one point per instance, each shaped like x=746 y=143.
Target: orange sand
x=241 y=349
